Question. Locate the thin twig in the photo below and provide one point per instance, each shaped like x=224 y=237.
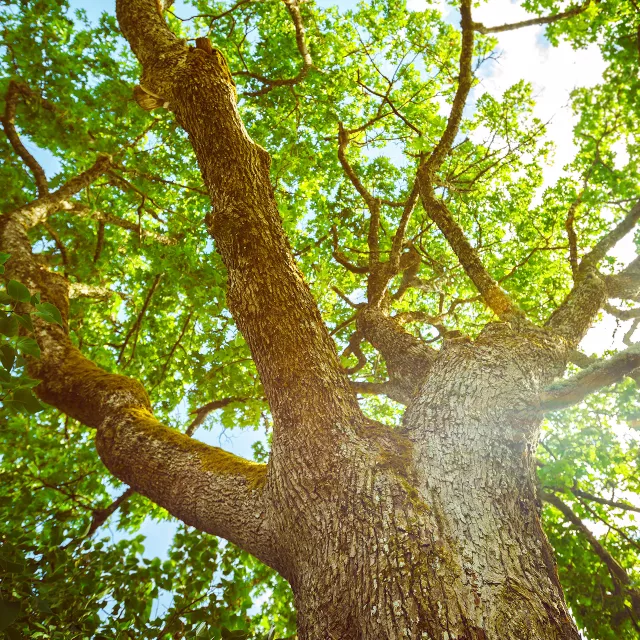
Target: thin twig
x=8 y=120
x=135 y=327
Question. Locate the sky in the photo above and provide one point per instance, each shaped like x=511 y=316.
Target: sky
x=524 y=54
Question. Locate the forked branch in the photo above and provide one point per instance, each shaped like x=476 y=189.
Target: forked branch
x=491 y=292
x=40 y=209
x=204 y=486
x=575 y=315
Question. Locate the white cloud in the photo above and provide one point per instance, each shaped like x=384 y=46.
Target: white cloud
x=553 y=72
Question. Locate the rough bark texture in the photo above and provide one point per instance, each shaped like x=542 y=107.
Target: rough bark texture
x=381 y=534
x=429 y=531
x=475 y=439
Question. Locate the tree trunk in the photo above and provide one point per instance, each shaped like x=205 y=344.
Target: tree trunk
x=429 y=531
x=436 y=533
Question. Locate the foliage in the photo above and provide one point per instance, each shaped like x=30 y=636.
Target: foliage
x=15 y=384
x=387 y=75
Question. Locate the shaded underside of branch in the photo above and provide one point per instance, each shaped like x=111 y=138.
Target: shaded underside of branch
x=389 y=389
x=408 y=358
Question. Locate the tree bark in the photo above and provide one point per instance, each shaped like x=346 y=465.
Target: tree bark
x=429 y=531
x=440 y=536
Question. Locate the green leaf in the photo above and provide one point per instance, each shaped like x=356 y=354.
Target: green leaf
x=7 y=356
x=9 y=566
x=17 y=291
x=49 y=312
x=9 y=611
x=29 y=347
x=42 y=605
x=25 y=320
x=228 y=634
x=26 y=397
x=13 y=634
x=9 y=325
x=4 y=257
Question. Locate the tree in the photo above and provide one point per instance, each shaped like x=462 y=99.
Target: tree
x=399 y=497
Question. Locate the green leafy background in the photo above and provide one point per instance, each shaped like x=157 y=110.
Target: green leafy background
x=141 y=575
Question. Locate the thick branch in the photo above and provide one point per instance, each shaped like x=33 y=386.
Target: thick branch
x=408 y=358
x=39 y=210
x=99 y=242
x=626 y=284
x=622 y=314
x=267 y=295
x=574 y=316
x=204 y=486
x=569 y=13
x=492 y=294
x=82 y=290
x=389 y=389
x=100 y=516
x=600 y=374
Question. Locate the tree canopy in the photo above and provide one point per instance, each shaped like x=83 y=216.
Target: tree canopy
x=349 y=103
